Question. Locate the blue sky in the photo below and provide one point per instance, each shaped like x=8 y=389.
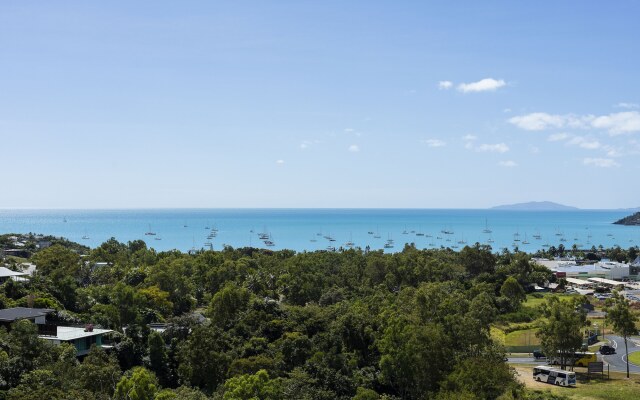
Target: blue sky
x=319 y=104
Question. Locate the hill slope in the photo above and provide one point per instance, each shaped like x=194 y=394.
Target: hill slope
x=633 y=219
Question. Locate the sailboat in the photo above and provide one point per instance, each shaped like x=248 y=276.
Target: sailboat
x=350 y=242
x=85 y=237
x=486 y=227
x=389 y=244
x=150 y=232
x=377 y=235
x=268 y=242
x=525 y=239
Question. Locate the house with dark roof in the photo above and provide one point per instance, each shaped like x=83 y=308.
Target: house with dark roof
x=35 y=315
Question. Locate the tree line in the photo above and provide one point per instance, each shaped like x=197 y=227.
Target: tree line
x=252 y=323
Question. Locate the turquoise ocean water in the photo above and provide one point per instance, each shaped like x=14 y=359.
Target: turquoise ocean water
x=305 y=229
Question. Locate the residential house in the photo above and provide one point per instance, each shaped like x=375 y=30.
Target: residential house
x=81 y=337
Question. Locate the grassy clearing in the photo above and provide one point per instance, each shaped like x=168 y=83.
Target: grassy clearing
x=635 y=359
x=525 y=337
x=534 y=301
x=618 y=388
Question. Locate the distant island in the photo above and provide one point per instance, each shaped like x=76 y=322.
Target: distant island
x=633 y=219
x=535 y=206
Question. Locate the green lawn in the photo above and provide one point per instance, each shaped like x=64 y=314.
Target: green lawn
x=634 y=357
x=524 y=337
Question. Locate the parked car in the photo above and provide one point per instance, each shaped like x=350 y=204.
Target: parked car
x=538 y=354
x=606 y=350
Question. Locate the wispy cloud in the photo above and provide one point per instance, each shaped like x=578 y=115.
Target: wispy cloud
x=468 y=141
x=352 y=131
x=354 y=148
x=539 y=121
x=445 y=85
x=585 y=143
x=557 y=137
x=627 y=105
x=508 y=164
x=494 y=148
x=434 y=142
x=600 y=162
x=615 y=123
x=483 y=85
x=279 y=162
x=308 y=143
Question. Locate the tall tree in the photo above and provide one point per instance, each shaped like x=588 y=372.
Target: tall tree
x=158 y=359
x=137 y=384
x=622 y=319
x=513 y=292
x=561 y=333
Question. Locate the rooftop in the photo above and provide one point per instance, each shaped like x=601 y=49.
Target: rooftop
x=579 y=281
x=66 y=333
x=17 y=313
x=6 y=272
x=606 y=281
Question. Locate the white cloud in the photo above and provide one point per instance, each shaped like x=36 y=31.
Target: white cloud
x=483 y=85
x=627 y=105
x=557 y=137
x=349 y=130
x=506 y=110
x=434 y=142
x=615 y=123
x=600 y=162
x=494 y=148
x=469 y=138
x=354 y=148
x=618 y=123
x=538 y=121
x=584 y=143
x=445 y=85
x=508 y=164
x=279 y=162
x=534 y=149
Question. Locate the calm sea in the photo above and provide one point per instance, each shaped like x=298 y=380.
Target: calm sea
x=307 y=229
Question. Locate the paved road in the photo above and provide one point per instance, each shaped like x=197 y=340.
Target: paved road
x=617 y=362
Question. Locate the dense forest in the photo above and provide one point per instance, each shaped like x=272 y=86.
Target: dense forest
x=252 y=323
x=633 y=219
